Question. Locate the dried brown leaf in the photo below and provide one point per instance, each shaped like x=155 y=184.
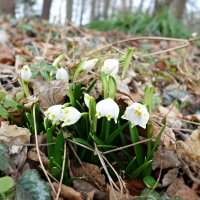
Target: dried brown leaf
x=91 y=173
x=187 y=194
x=178 y=184
x=89 y=190
x=50 y=93
x=68 y=193
x=168 y=158
x=15 y=137
x=169 y=177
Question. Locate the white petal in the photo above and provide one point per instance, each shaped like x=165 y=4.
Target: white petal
x=54 y=113
x=88 y=66
x=86 y=99
x=107 y=108
x=26 y=73
x=70 y=115
x=110 y=66
x=137 y=114
x=62 y=74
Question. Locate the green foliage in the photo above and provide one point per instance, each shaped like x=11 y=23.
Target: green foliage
x=7 y=103
x=43 y=69
x=6 y=187
x=31 y=186
x=163 y=24
x=4 y=157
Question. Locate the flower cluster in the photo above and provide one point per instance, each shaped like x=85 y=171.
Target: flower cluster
x=136 y=113
x=66 y=115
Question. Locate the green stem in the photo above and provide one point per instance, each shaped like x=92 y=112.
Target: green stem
x=107 y=130
x=25 y=88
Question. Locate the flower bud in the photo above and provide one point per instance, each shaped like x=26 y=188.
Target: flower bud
x=26 y=73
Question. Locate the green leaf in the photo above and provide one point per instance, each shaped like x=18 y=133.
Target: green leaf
x=157 y=142
x=112 y=87
x=50 y=148
x=127 y=62
x=78 y=69
x=2 y=95
x=91 y=86
x=92 y=112
x=82 y=141
x=31 y=186
x=131 y=166
x=115 y=133
x=104 y=84
x=6 y=183
x=58 y=59
x=59 y=149
x=137 y=148
x=148 y=98
x=3 y=112
x=141 y=168
x=150 y=182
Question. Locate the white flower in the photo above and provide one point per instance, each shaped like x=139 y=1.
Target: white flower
x=86 y=99
x=62 y=74
x=26 y=73
x=137 y=114
x=110 y=66
x=54 y=113
x=88 y=66
x=70 y=115
x=107 y=108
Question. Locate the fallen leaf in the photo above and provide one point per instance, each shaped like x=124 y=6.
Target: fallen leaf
x=50 y=93
x=91 y=173
x=90 y=191
x=187 y=194
x=113 y=194
x=172 y=113
x=33 y=156
x=15 y=137
x=6 y=56
x=168 y=157
x=135 y=186
x=190 y=148
x=178 y=184
x=169 y=177
x=68 y=193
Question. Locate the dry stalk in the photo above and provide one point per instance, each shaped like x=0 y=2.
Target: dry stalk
x=62 y=174
x=38 y=152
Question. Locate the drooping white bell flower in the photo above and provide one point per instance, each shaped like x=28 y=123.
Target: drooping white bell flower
x=26 y=73
x=110 y=67
x=62 y=74
x=88 y=66
x=70 y=115
x=107 y=108
x=137 y=114
x=86 y=99
x=53 y=113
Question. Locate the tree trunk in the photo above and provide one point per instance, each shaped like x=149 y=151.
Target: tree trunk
x=69 y=10
x=46 y=9
x=82 y=11
x=130 y=5
x=179 y=8
x=106 y=8
x=7 y=7
x=93 y=11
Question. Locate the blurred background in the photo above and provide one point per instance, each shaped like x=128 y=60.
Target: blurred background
x=173 y=18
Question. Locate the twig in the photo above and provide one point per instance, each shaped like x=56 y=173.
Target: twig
x=138 y=38
x=127 y=146
x=177 y=118
x=38 y=152
x=79 y=160
x=62 y=174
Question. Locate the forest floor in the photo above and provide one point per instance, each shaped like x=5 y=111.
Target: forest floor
x=171 y=65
